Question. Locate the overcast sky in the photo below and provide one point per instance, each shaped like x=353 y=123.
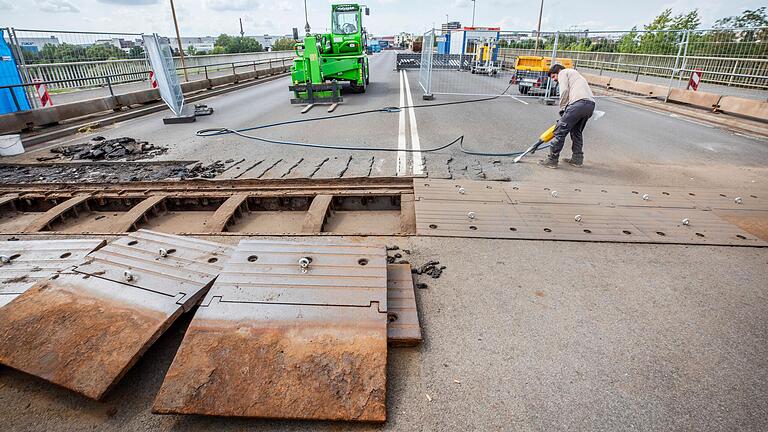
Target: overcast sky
x=212 y=17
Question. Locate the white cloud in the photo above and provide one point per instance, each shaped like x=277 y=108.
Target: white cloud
x=232 y=5
x=130 y=2
x=5 y=5
x=56 y=6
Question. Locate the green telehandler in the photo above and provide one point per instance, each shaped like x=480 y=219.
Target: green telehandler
x=324 y=61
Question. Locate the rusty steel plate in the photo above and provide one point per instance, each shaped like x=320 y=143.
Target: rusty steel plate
x=278 y=337
x=459 y=190
x=403 y=328
x=84 y=328
x=22 y=263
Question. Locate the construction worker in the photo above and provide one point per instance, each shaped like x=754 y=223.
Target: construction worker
x=577 y=103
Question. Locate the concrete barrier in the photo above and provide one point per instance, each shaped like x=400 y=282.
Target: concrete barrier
x=193 y=86
x=597 y=80
x=21 y=120
x=222 y=80
x=698 y=99
x=138 y=97
x=242 y=76
x=744 y=107
x=15 y=122
x=638 y=88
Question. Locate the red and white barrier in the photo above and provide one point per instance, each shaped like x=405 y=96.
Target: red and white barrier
x=42 y=93
x=693 y=83
x=152 y=79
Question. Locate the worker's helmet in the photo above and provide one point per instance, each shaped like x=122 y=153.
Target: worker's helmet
x=556 y=68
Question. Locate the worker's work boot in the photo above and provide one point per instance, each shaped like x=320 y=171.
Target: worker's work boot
x=574 y=162
x=549 y=162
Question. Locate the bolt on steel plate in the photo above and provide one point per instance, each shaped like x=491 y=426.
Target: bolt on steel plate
x=289 y=330
x=22 y=263
x=84 y=328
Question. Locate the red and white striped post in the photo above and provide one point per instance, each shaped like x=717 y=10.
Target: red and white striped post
x=152 y=79
x=693 y=83
x=42 y=93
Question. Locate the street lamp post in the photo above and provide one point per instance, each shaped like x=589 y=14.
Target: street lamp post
x=474 y=3
x=307 y=28
x=538 y=27
x=178 y=39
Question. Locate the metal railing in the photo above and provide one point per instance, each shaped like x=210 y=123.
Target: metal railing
x=70 y=60
x=110 y=80
x=88 y=74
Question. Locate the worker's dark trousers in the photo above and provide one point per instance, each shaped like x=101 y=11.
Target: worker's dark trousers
x=573 y=121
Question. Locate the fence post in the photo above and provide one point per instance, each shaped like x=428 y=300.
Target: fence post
x=674 y=69
x=109 y=84
x=733 y=73
x=548 y=94
x=684 y=64
x=21 y=66
x=430 y=55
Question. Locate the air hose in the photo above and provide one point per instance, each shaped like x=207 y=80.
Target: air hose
x=460 y=140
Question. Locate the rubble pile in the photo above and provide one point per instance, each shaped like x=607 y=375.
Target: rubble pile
x=198 y=170
x=431 y=268
x=100 y=148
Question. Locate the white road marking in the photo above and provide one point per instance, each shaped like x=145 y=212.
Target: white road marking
x=402 y=162
x=418 y=163
x=519 y=100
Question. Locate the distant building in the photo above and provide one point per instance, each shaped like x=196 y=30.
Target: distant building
x=403 y=40
x=121 y=43
x=36 y=44
x=267 y=41
x=201 y=44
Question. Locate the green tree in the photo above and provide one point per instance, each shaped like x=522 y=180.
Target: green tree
x=755 y=25
x=223 y=40
x=284 y=44
x=136 y=52
x=62 y=53
x=192 y=50
x=661 y=37
x=748 y=18
x=629 y=43
x=104 y=52
x=238 y=44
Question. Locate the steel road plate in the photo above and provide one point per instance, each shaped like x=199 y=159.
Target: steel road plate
x=84 y=328
x=558 y=219
x=30 y=261
x=459 y=190
x=609 y=196
x=278 y=337
x=403 y=328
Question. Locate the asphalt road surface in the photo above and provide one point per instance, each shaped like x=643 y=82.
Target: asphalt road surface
x=629 y=145
x=519 y=335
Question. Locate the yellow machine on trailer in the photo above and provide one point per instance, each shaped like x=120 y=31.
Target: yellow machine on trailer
x=532 y=74
x=485 y=55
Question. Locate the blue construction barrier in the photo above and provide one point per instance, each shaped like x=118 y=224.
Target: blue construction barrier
x=9 y=75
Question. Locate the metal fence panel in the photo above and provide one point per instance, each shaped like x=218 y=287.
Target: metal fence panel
x=425 y=68
x=732 y=61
